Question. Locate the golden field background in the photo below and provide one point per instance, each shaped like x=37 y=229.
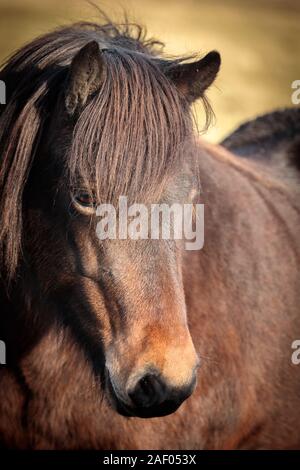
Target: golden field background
x=259 y=41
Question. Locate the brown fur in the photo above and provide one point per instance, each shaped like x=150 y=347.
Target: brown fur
x=76 y=311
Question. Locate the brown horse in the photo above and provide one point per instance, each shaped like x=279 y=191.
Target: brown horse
x=100 y=334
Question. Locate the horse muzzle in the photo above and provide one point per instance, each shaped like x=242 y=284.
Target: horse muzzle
x=150 y=396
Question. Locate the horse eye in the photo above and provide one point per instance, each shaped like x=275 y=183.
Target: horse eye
x=84 y=199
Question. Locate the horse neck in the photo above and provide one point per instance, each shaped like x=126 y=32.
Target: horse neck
x=20 y=323
x=243 y=205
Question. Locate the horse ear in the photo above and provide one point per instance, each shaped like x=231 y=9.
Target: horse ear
x=192 y=79
x=84 y=78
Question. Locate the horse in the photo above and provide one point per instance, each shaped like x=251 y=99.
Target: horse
x=142 y=344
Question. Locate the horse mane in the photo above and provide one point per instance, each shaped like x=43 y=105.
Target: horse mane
x=126 y=139
x=261 y=136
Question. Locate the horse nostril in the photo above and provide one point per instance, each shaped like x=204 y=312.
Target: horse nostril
x=148 y=391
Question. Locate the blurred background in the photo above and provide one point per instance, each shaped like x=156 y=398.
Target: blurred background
x=259 y=41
